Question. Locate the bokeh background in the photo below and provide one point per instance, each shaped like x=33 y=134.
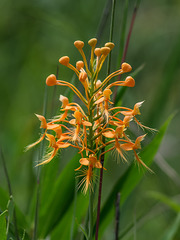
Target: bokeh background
x=34 y=35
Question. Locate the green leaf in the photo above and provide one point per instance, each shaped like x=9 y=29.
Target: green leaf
x=64 y=226
x=130 y=179
x=83 y=230
x=61 y=194
x=3 y=226
x=3 y=199
x=164 y=199
x=172 y=230
x=6 y=201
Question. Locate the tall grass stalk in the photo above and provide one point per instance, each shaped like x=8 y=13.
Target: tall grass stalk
x=103 y=139
x=127 y=41
x=38 y=179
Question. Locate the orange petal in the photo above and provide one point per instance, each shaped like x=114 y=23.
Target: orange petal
x=70 y=108
x=52 y=155
x=52 y=126
x=84 y=161
x=64 y=100
x=63 y=137
x=43 y=121
x=136 y=108
x=99 y=100
x=98 y=165
x=109 y=134
x=63 y=145
x=51 y=139
x=127 y=113
x=35 y=143
x=127 y=146
x=141 y=162
x=127 y=120
x=72 y=121
x=86 y=123
x=137 y=144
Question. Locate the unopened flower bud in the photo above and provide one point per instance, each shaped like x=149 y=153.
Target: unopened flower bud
x=79 y=65
x=98 y=83
x=105 y=50
x=51 y=80
x=92 y=42
x=64 y=60
x=97 y=52
x=110 y=45
x=79 y=44
x=126 y=67
x=82 y=76
x=129 y=82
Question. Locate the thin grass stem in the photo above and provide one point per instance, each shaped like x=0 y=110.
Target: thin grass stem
x=127 y=42
x=36 y=217
x=10 y=194
x=103 y=20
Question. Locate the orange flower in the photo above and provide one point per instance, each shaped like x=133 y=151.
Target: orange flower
x=55 y=145
x=91 y=162
x=134 y=146
x=116 y=134
x=78 y=121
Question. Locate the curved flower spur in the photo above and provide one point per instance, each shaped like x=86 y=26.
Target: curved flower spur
x=85 y=129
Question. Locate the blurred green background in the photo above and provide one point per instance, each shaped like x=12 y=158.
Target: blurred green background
x=34 y=35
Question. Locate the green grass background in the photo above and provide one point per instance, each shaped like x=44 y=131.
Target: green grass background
x=34 y=35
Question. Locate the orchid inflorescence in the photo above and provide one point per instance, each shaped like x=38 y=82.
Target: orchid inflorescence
x=87 y=127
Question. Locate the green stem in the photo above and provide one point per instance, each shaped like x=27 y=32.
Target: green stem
x=90 y=214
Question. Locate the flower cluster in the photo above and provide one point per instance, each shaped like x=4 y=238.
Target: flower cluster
x=85 y=127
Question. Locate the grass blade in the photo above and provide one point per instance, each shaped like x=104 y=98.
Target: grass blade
x=131 y=178
x=3 y=225
x=166 y=200
x=60 y=197
x=171 y=232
